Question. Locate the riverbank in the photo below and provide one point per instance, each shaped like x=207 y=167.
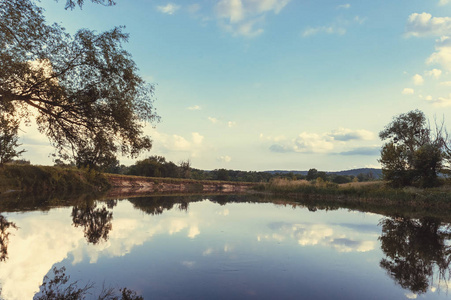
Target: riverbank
x=125 y=185
x=374 y=193
x=46 y=179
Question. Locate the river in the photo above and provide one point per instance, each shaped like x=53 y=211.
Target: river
x=221 y=247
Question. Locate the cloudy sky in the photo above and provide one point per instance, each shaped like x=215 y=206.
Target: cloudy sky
x=277 y=84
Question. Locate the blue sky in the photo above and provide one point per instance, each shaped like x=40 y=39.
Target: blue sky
x=276 y=84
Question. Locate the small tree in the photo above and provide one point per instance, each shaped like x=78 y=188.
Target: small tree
x=312 y=174
x=8 y=139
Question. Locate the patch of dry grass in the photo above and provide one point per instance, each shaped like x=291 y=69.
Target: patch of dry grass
x=361 y=184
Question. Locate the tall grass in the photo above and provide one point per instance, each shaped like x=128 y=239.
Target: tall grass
x=367 y=191
x=39 y=179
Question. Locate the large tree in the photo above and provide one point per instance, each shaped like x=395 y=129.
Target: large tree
x=414 y=154
x=84 y=91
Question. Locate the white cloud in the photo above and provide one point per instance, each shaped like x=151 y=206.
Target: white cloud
x=188 y=264
x=408 y=91
x=230 y=9
x=344 y=6
x=271 y=138
x=169 y=8
x=231 y=124
x=207 y=252
x=440 y=101
x=312 y=142
x=176 y=143
x=436 y=73
x=193 y=231
x=224 y=212
x=318 y=143
x=318 y=234
x=425 y=25
x=410 y=295
x=180 y=143
x=339 y=27
x=359 y=20
x=213 y=120
x=225 y=158
x=248 y=28
x=197 y=138
x=417 y=79
x=442 y=55
x=323 y=29
x=344 y=134
x=195 y=107
x=445 y=83
x=194 y=8
x=373 y=166
x=246 y=17
x=443 y=2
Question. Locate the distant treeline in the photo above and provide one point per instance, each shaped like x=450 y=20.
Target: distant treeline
x=158 y=166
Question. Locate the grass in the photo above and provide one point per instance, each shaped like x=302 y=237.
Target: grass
x=32 y=179
x=46 y=179
x=375 y=192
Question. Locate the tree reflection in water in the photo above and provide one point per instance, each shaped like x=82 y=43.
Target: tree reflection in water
x=157 y=205
x=96 y=222
x=58 y=287
x=4 y=237
x=415 y=249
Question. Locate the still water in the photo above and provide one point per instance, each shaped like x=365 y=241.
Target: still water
x=222 y=247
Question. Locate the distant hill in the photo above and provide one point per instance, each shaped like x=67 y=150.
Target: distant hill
x=376 y=172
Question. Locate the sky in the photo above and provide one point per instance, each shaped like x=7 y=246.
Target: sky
x=275 y=84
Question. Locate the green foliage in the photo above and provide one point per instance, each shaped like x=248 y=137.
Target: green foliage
x=340 y=179
x=414 y=155
x=312 y=174
x=46 y=179
x=8 y=138
x=84 y=90
x=157 y=166
x=222 y=174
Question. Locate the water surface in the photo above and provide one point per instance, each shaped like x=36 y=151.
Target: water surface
x=216 y=247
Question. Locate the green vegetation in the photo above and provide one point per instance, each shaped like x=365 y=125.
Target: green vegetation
x=158 y=166
x=376 y=192
x=45 y=179
x=414 y=154
x=8 y=139
x=83 y=91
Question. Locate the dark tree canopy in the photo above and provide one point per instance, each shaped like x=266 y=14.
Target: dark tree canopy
x=414 y=154
x=8 y=139
x=415 y=250
x=4 y=237
x=84 y=90
x=96 y=222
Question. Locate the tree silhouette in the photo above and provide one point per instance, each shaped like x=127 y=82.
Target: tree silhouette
x=4 y=237
x=415 y=250
x=96 y=222
x=59 y=287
